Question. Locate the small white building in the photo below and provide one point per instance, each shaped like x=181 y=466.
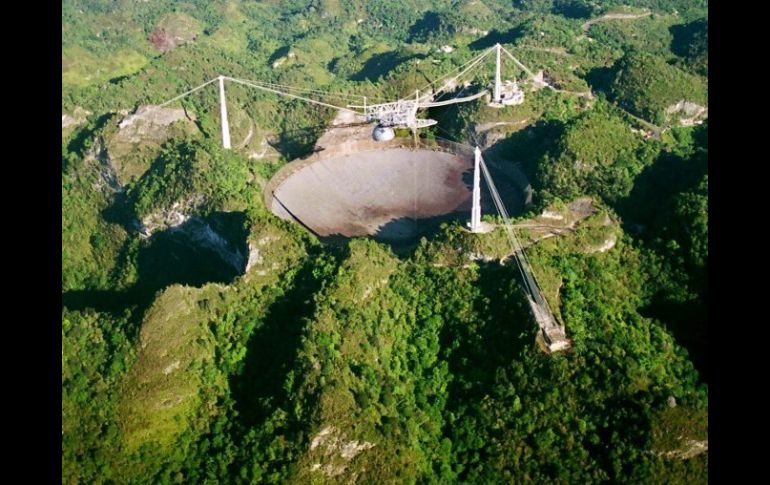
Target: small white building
x=510 y=95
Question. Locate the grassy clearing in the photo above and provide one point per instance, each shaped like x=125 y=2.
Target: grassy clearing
x=81 y=68
x=161 y=393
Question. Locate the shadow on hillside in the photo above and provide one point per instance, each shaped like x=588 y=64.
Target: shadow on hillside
x=649 y=212
x=623 y=414
x=119 y=211
x=402 y=234
x=495 y=36
x=174 y=256
x=507 y=182
x=527 y=146
x=600 y=79
x=574 y=10
x=77 y=143
x=119 y=79
x=107 y=301
x=300 y=142
x=421 y=30
x=689 y=38
x=667 y=177
x=182 y=255
x=380 y=65
x=503 y=328
x=278 y=53
x=272 y=351
x=408 y=229
x=688 y=323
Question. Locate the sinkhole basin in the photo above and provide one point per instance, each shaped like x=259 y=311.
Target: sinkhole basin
x=395 y=191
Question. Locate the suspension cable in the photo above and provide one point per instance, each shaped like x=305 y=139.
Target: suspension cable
x=473 y=60
x=478 y=60
x=521 y=257
x=188 y=92
x=302 y=98
x=523 y=263
x=311 y=91
x=517 y=62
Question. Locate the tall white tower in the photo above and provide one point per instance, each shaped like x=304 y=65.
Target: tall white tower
x=496 y=98
x=475 y=224
x=223 y=114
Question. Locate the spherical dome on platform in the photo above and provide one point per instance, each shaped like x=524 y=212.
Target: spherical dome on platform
x=383 y=133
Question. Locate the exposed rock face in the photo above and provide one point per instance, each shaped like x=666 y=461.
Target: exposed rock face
x=345 y=127
x=692 y=448
x=141 y=133
x=552 y=215
x=280 y=61
x=350 y=449
x=472 y=31
x=67 y=121
x=172 y=367
x=330 y=442
x=265 y=251
x=689 y=113
x=322 y=436
x=107 y=182
x=475 y=256
x=202 y=234
x=582 y=207
x=254 y=257
x=173 y=30
x=78 y=117
x=169 y=217
x=264 y=149
x=541 y=80
x=180 y=218
x=490 y=133
x=608 y=244
x=142 y=123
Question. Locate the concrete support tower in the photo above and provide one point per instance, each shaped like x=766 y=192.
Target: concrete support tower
x=497 y=95
x=475 y=224
x=223 y=114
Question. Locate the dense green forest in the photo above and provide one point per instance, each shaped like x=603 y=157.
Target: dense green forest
x=231 y=346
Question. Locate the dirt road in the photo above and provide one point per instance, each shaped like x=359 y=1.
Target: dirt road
x=614 y=16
